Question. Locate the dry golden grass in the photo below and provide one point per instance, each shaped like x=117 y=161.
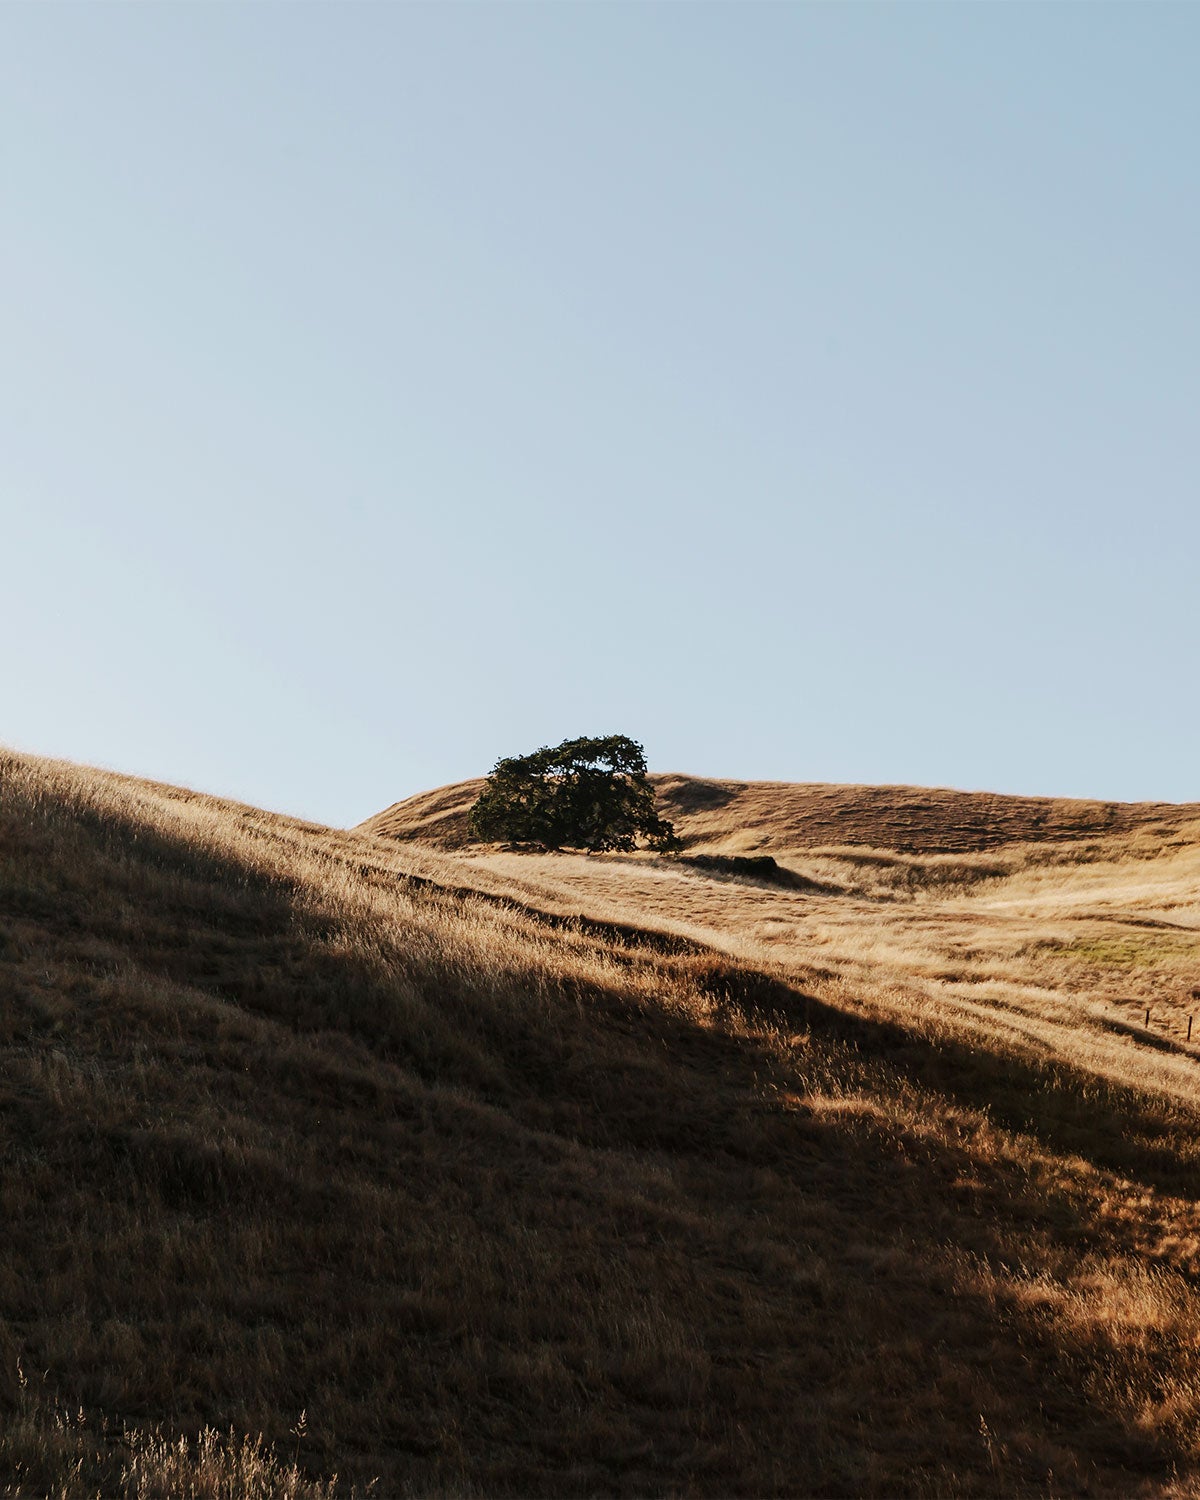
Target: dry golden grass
x=546 y=1174
x=46 y=1450
x=776 y=817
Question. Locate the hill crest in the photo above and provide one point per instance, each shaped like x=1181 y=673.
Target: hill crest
x=776 y=817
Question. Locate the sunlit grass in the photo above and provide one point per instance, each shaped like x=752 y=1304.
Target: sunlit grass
x=533 y=1174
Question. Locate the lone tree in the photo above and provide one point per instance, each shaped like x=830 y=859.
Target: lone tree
x=582 y=794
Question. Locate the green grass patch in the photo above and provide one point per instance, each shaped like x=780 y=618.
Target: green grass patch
x=1135 y=950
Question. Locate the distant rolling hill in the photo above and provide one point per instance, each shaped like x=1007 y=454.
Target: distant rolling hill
x=777 y=817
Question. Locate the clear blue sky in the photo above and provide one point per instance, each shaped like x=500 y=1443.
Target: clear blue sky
x=810 y=392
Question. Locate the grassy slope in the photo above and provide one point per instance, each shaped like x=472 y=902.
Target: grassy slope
x=740 y=817
x=297 y=1120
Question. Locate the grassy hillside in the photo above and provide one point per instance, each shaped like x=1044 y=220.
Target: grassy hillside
x=479 y=1173
x=740 y=817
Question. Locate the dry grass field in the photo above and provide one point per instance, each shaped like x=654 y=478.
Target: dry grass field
x=776 y=817
x=347 y=1162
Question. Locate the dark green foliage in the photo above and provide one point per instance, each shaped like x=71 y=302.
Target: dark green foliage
x=583 y=794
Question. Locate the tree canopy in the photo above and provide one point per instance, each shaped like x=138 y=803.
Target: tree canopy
x=583 y=794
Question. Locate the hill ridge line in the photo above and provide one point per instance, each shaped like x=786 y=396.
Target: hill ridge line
x=745 y=817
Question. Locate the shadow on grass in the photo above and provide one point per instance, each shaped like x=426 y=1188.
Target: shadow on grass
x=1117 y=1128
x=575 y=1249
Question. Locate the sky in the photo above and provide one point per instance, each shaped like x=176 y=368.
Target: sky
x=807 y=391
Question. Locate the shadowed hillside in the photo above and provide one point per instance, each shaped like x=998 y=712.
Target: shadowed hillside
x=742 y=817
x=550 y=1175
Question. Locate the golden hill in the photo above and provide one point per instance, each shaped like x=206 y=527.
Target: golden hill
x=740 y=817
x=487 y=1173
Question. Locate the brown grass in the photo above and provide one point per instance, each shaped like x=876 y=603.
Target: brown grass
x=47 y=1450
x=780 y=818
x=545 y=1175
